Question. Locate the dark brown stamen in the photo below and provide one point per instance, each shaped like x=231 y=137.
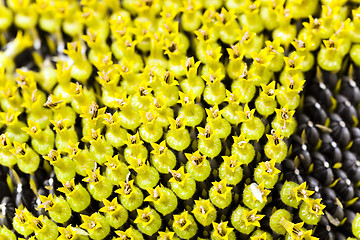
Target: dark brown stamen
x=93 y=110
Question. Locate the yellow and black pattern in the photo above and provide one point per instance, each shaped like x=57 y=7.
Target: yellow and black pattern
x=179 y=119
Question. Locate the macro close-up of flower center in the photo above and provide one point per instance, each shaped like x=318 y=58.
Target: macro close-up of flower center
x=179 y=119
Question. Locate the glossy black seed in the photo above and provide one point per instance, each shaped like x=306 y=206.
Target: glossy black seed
x=301 y=151
x=350 y=90
x=313 y=185
x=330 y=79
x=340 y=132
x=355 y=132
x=7 y=209
x=291 y=171
x=312 y=134
x=52 y=183
x=323 y=221
x=334 y=117
x=355 y=147
x=23 y=195
x=346 y=110
x=324 y=232
x=344 y=187
x=355 y=136
x=36 y=211
x=322 y=93
x=335 y=214
x=315 y=110
x=330 y=149
x=329 y=196
x=322 y=169
x=302 y=118
x=349 y=158
x=351 y=165
x=339 y=173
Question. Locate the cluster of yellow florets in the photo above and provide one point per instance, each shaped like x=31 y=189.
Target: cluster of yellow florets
x=161 y=118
